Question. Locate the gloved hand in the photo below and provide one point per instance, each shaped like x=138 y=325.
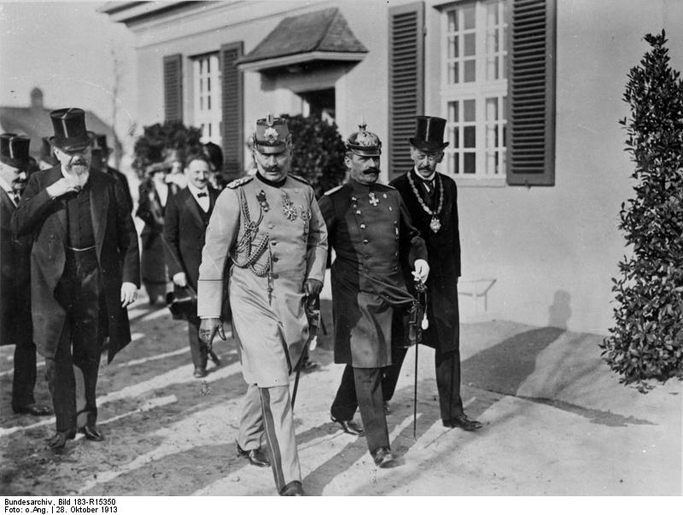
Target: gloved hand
x=208 y=329
x=421 y=271
x=313 y=287
x=180 y=279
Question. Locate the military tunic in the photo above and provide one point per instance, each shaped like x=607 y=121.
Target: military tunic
x=367 y=225
x=277 y=240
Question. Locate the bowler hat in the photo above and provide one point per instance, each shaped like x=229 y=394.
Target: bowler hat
x=69 y=127
x=46 y=153
x=429 y=134
x=272 y=135
x=364 y=143
x=14 y=150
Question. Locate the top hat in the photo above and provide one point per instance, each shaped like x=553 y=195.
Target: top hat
x=272 y=135
x=46 y=153
x=99 y=141
x=69 y=127
x=364 y=143
x=14 y=150
x=429 y=134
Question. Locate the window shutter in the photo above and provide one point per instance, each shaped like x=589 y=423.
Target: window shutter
x=406 y=81
x=173 y=88
x=233 y=110
x=531 y=116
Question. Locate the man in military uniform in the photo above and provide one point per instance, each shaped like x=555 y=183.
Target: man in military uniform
x=367 y=224
x=432 y=199
x=271 y=227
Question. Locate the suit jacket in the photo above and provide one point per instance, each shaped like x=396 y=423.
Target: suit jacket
x=184 y=233
x=44 y=219
x=123 y=181
x=15 y=279
x=367 y=225
x=443 y=248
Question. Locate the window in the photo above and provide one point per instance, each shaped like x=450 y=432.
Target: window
x=207 y=97
x=474 y=88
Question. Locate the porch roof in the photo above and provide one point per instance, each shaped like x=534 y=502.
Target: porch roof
x=317 y=38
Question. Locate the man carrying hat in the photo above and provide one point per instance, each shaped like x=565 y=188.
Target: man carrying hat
x=271 y=227
x=367 y=225
x=15 y=279
x=432 y=200
x=85 y=271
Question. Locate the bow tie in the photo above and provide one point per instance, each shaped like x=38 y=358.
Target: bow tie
x=202 y=194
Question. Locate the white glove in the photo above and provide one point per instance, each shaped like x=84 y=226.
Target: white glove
x=421 y=271
x=180 y=279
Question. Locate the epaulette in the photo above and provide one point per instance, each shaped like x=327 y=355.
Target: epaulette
x=239 y=182
x=300 y=179
x=337 y=188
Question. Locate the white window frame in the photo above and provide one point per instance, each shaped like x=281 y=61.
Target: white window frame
x=480 y=90
x=208 y=109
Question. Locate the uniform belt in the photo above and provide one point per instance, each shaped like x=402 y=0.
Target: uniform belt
x=80 y=250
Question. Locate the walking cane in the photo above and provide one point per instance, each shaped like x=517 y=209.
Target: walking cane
x=313 y=314
x=420 y=325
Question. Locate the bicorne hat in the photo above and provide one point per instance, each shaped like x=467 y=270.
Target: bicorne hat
x=429 y=134
x=272 y=135
x=364 y=143
x=14 y=150
x=69 y=128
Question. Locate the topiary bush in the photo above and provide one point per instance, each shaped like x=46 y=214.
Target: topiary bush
x=158 y=141
x=646 y=344
x=318 y=152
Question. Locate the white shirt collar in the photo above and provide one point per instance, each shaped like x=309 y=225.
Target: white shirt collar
x=431 y=177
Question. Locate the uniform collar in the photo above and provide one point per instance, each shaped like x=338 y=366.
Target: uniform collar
x=274 y=184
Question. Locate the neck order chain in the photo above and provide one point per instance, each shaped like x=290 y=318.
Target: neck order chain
x=435 y=224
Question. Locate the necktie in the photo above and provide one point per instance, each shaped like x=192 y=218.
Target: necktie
x=16 y=196
x=202 y=194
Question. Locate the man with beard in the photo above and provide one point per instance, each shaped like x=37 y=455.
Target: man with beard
x=187 y=216
x=367 y=224
x=271 y=226
x=85 y=271
x=432 y=199
x=15 y=281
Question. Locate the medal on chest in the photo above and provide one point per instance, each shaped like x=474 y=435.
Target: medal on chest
x=288 y=207
x=435 y=223
x=374 y=201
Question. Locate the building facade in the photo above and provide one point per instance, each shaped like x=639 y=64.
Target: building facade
x=532 y=91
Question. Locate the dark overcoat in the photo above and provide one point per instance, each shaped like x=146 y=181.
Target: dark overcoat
x=123 y=181
x=367 y=225
x=15 y=280
x=185 y=233
x=116 y=244
x=151 y=212
x=443 y=248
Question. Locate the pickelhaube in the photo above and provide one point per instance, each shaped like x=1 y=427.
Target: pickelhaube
x=364 y=143
x=272 y=135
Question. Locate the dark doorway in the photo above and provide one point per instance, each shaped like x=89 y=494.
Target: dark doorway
x=319 y=102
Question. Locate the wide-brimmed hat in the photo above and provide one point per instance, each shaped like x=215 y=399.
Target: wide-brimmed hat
x=69 y=128
x=46 y=153
x=364 y=143
x=272 y=135
x=429 y=134
x=14 y=150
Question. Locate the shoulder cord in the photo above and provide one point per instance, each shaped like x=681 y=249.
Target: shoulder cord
x=245 y=244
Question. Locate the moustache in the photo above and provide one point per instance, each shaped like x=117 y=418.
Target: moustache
x=371 y=171
x=273 y=169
